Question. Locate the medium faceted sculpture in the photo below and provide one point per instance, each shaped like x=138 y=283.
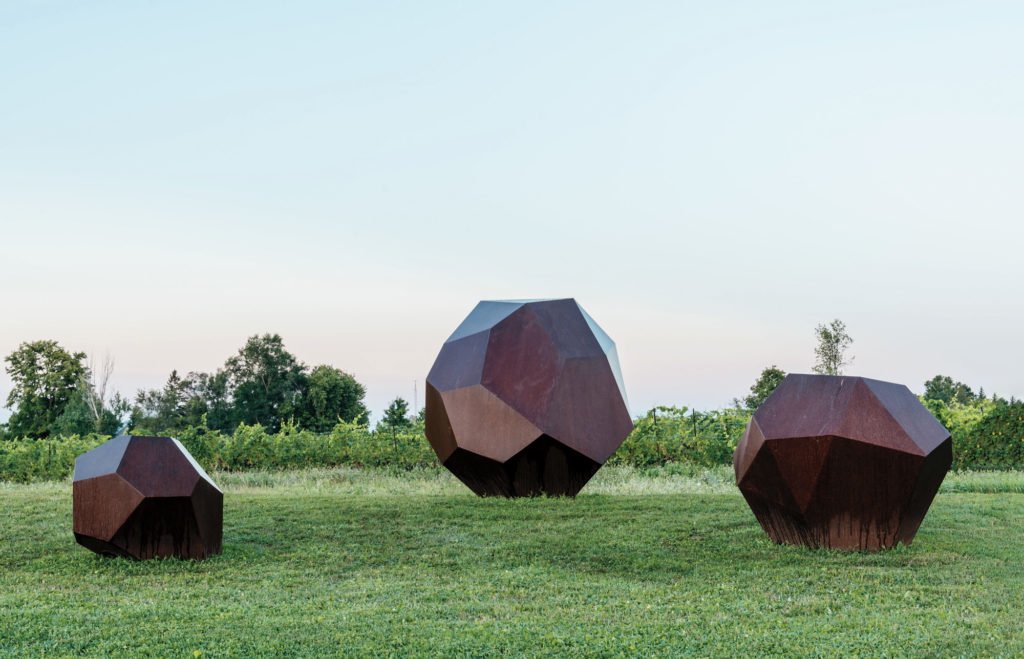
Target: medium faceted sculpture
x=146 y=497
x=526 y=398
x=841 y=462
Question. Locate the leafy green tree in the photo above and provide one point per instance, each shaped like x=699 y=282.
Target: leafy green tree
x=833 y=342
x=115 y=416
x=182 y=403
x=266 y=381
x=162 y=410
x=82 y=417
x=210 y=401
x=262 y=384
x=770 y=378
x=329 y=394
x=77 y=418
x=44 y=378
x=396 y=416
x=944 y=388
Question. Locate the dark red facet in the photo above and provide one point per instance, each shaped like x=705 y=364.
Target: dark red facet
x=526 y=398
x=146 y=497
x=841 y=462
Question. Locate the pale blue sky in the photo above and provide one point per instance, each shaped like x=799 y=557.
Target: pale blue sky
x=709 y=180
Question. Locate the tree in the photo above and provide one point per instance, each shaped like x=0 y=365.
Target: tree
x=93 y=388
x=81 y=416
x=210 y=396
x=263 y=383
x=44 y=379
x=770 y=378
x=944 y=388
x=161 y=410
x=329 y=394
x=76 y=419
x=92 y=409
x=832 y=344
x=266 y=381
x=182 y=403
x=397 y=414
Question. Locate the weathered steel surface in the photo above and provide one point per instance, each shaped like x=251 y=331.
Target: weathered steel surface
x=526 y=398
x=841 y=462
x=146 y=497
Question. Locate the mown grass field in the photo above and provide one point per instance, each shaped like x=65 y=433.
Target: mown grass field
x=348 y=562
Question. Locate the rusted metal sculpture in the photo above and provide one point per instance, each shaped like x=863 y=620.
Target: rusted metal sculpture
x=841 y=462
x=526 y=398
x=146 y=497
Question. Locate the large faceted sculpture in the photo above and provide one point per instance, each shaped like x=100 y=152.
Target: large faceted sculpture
x=841 y=462
x=146 y=497
x=526 y=398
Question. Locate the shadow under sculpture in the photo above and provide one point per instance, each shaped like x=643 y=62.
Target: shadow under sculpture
x=526 y=398
x=841 y=462
x=146 y=497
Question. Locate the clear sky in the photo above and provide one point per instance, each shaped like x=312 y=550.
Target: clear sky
x=709 y=180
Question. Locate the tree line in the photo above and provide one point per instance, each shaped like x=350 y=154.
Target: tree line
x=58 y=392
x=265 y=409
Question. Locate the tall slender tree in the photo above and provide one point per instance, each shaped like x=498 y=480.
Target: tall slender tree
x=833 y=341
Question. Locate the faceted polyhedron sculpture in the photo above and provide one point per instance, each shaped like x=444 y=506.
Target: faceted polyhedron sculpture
x=841 y=462
x=526 y=398
x=145 y=497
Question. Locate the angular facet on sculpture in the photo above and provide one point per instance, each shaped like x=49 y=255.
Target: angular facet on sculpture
x=146 y=497
x=526 y=398
x=841 y=462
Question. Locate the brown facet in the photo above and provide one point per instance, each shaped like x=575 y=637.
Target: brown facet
x=485 y=425
x=841 y=462
x=526 y=398
x=146 y=497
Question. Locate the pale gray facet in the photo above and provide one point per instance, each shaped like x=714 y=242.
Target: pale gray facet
x=608 y=346
x=484 y=316
x=97 y=461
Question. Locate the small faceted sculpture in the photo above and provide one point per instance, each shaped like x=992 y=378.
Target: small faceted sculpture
x=146 y=497
x=526 y=398
x=841 y=462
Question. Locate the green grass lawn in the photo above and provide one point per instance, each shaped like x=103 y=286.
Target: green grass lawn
x=328 y=562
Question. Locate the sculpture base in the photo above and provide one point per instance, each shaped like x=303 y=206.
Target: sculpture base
x=159 y=528
x=848 y=512
x=545 y=467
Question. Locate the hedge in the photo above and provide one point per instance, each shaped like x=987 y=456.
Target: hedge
x=985 y=436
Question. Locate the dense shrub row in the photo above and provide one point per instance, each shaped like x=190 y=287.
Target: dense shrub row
x=249 y=447
x=985 y=436
x=675 y=434
x=25 y=460
x=664 y=435
x=291 y=448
